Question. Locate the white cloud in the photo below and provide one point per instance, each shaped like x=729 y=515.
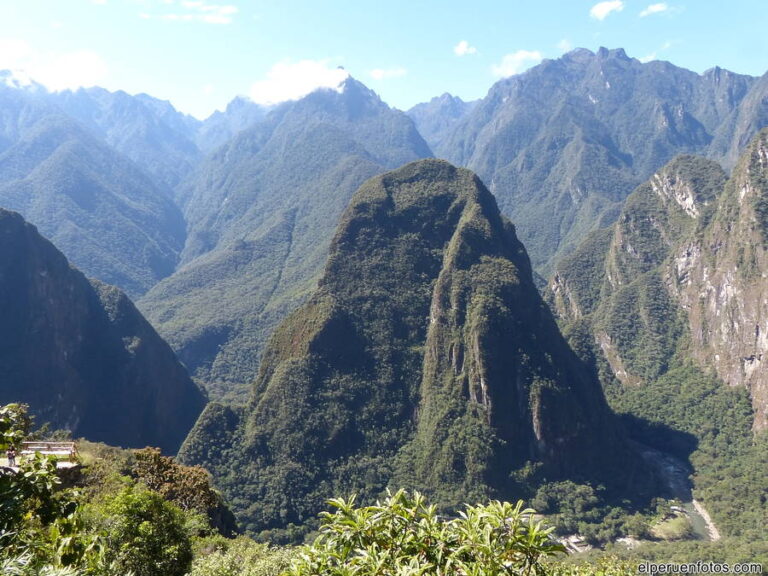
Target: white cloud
x=654 y=55
x=385 y=73
x=288 y=80
x=196 y=11
x=463 y=48
x=71 y=70
x=56 y=71
x=100 y=2
x=601 y=10
x=516 y=62
x=564 y=45
x=654 y=9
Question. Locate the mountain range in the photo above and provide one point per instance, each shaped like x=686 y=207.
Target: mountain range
x=227 y=221
x=395 y=335
x=562 y=145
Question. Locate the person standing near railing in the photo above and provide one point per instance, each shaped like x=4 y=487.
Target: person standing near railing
x=11 y=454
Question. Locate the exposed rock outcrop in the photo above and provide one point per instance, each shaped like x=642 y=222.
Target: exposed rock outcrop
x=685 y=272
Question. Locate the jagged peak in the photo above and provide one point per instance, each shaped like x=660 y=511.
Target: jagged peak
x=584 y=55
x=351 y=86
x=579 y=54
x=618 y=53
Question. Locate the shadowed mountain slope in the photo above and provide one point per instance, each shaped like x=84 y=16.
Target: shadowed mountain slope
x=80 y=354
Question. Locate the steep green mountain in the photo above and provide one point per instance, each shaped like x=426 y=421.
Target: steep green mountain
x=80 y=354
x=721 y=283
x=670 y=305
x=108 y=217
x=261 y=212
x=151 y=132
x=563 y=144
x=425 y=358
x=436 y=118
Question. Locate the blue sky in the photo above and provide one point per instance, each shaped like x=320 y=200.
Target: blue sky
x=199 y=54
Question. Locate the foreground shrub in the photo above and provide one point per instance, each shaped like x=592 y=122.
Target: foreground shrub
x=145 y=535
x=243 y=557
x=404 y=536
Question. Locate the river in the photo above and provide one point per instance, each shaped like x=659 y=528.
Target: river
x=676 y=474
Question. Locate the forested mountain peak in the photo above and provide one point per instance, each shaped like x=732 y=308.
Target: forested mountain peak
x=108 y=216
x=437 y=117
x=425 y=357
x=148 y=131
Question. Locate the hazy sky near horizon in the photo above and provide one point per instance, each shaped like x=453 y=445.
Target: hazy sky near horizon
x=200 y=54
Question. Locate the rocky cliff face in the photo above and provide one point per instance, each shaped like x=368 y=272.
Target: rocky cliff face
x=683 y=273
x=721 y=281
x=426 y=358
x=81 y=355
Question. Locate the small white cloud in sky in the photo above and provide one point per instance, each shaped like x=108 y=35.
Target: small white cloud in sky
x=196 y=11
x=654 y=9
x=101 y=2
x=209 y=89
x=564 y=45
x=385 y=73
x=516 y=62
x=654 y=55
x=463 y=48
x=56 y=71
x=289 y=80
x=601 y=10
